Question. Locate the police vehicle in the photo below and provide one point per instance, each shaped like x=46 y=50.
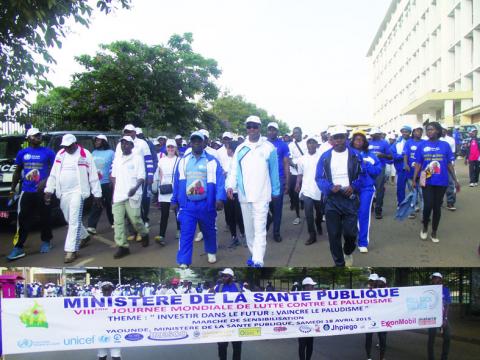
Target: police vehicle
x=10 y=145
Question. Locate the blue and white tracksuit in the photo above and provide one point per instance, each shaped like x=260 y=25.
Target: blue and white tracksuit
x=402 y=174
x=195 y=207
x=254 y=174
x=371 y=167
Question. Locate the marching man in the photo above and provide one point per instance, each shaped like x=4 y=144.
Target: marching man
x=73 y=178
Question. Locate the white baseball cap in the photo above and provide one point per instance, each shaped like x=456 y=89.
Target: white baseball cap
x=272 y=124
x=101 y=136
x=382 y=279
x=227 y=134
x=391 y=136
x=227 y=271
x=178 y=137
x=32 y=131
x=375 y=130
x=197 y=134
x=68 y=139
x=373 y=277
x=155 y=142
x=338 y=129
x=127 y=138
x=161 y=137
x=139 y=130
x=436 y=274
x=253 y=119
x=171 y=142
x=130 y=127
x=308 y=281
x=205 y=133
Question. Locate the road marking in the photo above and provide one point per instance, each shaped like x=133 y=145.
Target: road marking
x=110 y=243
x=84 y=262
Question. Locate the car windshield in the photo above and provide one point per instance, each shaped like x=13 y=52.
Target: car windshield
x=9 y=147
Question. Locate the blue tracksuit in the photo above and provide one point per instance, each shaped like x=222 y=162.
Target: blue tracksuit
x=402 y=174
x=371 y=167
x=198 y=184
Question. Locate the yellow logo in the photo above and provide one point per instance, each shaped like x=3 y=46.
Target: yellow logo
x=254 y=331
x=34 y=317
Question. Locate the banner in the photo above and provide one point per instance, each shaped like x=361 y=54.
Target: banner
x=49 y=324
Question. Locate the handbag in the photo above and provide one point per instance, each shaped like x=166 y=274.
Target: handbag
x=168 y=188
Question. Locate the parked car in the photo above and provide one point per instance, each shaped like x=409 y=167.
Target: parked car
x=10 y=145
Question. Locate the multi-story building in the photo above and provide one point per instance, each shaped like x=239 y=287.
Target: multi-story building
x=425 y=61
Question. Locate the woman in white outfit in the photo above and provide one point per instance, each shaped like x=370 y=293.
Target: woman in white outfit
x=163 y=184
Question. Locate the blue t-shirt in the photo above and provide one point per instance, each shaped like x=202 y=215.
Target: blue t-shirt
x=103 y=161
x=282 y=152
x=181 y=150
x=36 y=163
x=434 y=156
x=410 y=150
x=232 y=287
x=380 y=146
x=447 y=299
x=196 y=178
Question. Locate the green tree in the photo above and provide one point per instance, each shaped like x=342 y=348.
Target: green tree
x=163 y=87
x=28 y=29
x=231 y=112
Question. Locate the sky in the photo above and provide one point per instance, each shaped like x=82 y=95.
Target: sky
x=303 y=61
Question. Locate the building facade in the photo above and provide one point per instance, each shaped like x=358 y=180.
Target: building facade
x=425 y=63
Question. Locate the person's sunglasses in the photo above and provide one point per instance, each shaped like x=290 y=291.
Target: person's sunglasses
x=253 y=126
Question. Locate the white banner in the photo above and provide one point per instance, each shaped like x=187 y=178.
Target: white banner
x=49 y=324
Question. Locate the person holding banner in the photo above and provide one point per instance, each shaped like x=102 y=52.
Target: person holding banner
x=107 y=289
x=228 y=285
x=371 y=284
x=305 y=344
x=437 y=279
x=382 y=335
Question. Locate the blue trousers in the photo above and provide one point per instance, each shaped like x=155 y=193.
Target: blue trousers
x=402 y=177
x=364 y=215
x=196 y=213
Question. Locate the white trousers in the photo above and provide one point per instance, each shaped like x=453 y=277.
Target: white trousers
x=255 y=222
x=114 y=352
x=72 y=208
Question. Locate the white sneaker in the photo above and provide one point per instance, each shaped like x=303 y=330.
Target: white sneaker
x=363 y=249
x=147 y=225
x=296 y=221
x=348 y=260
x=472 y=184
x=199 y=236
x=113 y=226
x=423 y=235
x=435 y=239
x=212 y=258
x=183 y=266
x=476 y=184
x=92 y=230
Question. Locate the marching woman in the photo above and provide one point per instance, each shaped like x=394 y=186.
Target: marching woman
x=433 y=163
x=163 y=184
x=371 y=167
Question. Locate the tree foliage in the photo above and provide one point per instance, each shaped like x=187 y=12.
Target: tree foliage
x=163 y=87
x=231 y=112
x=28 y=28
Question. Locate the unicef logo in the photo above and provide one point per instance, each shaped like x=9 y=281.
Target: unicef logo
x=326 y=327
x=103 y=339
x=27 y=157
x=25 y=343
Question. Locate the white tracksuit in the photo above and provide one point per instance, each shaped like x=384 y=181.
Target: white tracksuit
x=254 y=174
x=71 y=201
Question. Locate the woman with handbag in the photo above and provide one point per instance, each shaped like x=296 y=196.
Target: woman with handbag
x=434 y=159
x=163 y=184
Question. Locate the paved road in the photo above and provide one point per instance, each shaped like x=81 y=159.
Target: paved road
x=400 y=346
x=393 y=243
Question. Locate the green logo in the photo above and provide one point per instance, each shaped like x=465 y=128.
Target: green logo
x=34 y=317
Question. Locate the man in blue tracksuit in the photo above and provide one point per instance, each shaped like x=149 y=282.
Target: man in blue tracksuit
x=199 y=191
x=398 y=161
x=371 y=167
x=338 y=177
x=381 y=149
